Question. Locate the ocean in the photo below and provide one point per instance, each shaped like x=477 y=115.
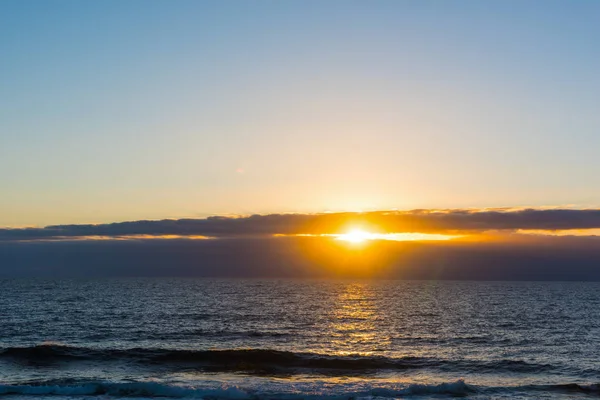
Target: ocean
x=298 y=339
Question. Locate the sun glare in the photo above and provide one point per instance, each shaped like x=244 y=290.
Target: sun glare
x=355 y=236
x=358 y=236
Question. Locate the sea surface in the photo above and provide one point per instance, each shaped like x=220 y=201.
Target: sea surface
x=285 y=339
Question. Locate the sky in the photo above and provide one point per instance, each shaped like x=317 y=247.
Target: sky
x=127 y=110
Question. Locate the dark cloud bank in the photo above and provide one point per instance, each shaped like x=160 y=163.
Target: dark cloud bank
x=439 y=221
x=247 y=248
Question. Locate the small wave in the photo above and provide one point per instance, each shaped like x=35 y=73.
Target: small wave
x=497 y=365
x=134 y=389
x=258 y=360
x=568 y=387
x=153 y=389
x=458 y=388
x=44 y=351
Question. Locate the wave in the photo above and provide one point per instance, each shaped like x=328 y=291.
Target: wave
x=568 y=387
x=154 y=389
x=230 y=392
x=258 y=360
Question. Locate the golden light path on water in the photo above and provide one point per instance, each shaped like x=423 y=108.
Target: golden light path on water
x=354 y=325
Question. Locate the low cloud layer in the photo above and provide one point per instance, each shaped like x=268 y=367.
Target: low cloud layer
x=456 y=221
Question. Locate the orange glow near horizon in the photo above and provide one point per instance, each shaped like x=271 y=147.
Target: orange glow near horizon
x=358 y=236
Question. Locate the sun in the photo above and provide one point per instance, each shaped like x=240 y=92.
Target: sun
x=355 y=236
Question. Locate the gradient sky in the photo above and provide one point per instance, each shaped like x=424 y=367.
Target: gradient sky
x=122 y=110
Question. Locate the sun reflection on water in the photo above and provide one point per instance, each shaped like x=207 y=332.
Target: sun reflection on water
x=354 y=322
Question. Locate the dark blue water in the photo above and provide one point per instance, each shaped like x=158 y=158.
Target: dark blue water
x=249 y=339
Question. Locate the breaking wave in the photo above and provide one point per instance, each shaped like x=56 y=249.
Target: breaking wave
x=153 y=389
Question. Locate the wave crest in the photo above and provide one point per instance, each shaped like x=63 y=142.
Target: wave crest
x=257 y=360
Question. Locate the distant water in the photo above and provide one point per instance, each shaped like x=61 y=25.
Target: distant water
x=249 y=339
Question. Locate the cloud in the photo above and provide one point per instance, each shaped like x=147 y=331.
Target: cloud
x=461 y=221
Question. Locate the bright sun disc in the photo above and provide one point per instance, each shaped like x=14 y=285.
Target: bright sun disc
x=355 y=236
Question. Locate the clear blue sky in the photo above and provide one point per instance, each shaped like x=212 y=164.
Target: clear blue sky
x=122 y=110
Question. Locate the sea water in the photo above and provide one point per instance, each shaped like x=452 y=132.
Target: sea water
x=286 y=339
